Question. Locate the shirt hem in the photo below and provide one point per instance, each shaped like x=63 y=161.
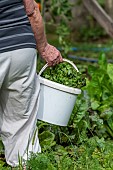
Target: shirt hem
x=17 y=48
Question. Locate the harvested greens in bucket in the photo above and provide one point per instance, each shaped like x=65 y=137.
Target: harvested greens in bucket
x=65 y=74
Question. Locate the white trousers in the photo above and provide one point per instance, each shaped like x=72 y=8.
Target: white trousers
x=19 y=100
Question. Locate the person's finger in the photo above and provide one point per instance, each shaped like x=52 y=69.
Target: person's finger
x=50 y=63
x=61 y=59
x=56 y=59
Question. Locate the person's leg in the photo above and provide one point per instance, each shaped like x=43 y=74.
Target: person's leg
x=4 y=69
x=19 y=103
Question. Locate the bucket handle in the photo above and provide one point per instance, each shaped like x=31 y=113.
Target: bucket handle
x=66 y=60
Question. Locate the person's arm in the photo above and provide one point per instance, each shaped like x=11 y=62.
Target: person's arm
x=47 y=51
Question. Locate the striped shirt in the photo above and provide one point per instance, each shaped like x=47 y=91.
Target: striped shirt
x=15 y=28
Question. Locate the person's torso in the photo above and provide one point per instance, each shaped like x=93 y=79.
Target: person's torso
x=15 y=29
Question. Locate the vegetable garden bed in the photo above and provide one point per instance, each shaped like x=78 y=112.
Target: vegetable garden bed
x=87 y=142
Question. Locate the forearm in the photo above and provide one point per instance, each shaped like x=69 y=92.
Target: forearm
x=36 y=21
x=48 y=52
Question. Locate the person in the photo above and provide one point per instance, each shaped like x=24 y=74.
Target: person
x=21 y=35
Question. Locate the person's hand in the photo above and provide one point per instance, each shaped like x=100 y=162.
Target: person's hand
x=51 y=55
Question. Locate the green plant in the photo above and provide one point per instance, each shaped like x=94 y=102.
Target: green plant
x=100 y=89
x=65 y=74
x=62 y=10
x=39 y=162
x=95 y=153
x=94 y=33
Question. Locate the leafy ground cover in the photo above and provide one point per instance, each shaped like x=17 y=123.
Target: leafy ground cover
x=65 y=74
